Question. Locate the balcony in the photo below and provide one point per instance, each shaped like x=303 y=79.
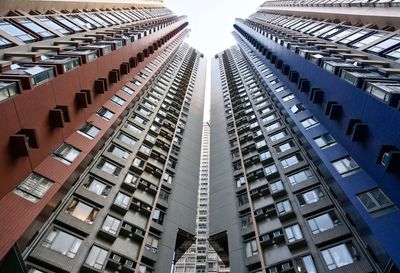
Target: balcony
x=266 y=212
x=272 y=238
x=131 y=231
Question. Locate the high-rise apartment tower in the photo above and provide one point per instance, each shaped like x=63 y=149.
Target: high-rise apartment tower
x=305 y=118
x=101 y=107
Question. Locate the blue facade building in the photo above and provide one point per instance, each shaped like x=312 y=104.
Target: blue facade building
x=338 y=84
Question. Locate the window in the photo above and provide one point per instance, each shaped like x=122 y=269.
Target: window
x=137 y=162
x=293 y=233
x=131 y=179
x=16 y=32
x=168 y=178
x=374 y=200
x=288 y=98
x=7 y=89
x=251 y=248
x=310 y=197
x=243 y=199
x=145 y=150
x=111 y=225
x=97 y=187
x=300 y=177
x=33 y=188
x=82 y=211
x=67 y=23
x=306 y=264
x=105 y=113
x=126 y=139
x=240 y=182
x=62 y=242
x=117 y=100
x=127 y=90
x=66 y=153
x=290 y=161
x=269 y=118
x=246 y=221
x=309 y=122
x=53 y=25
x=367 y=40
x=278 y=136
x=276 y=186
x=108 y=167
x=158 y=216
x=122 y=200
x=340 y=255
x=270 y=169
x=384 y=45
x=273 y=126
x=151 y=243
x=265 y=155
x=88 y=130
x=284 y=207
x=297 y=108
x=29 y=24
x=284 y=147
x=346 y=166
x=132 y=128
x=118 y=152
x=164 y=195
x=97 y=257
x=323 y=222
x=139 y=119
x=261 y=144
x=325 y=141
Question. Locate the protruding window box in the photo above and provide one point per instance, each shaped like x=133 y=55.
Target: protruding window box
x=157 y=226
x=29 y=75
x=252 y=260
x=313 y=208
x=103 y=49
x=332 y=235
x=278 y=193
x=305 y=52
x=150 y=254
x=9 y=89
x=319 y=58
x=287 y=215
x=336 y=66
x=107 y=235
x=138 y=165
x=85 y=55
x=115 y=42
x=357 y=77
x=62 y=63
x=129 y=185
x=388 y=92
x=297 y=244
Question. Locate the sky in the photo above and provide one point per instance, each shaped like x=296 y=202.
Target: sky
x=211 y=21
